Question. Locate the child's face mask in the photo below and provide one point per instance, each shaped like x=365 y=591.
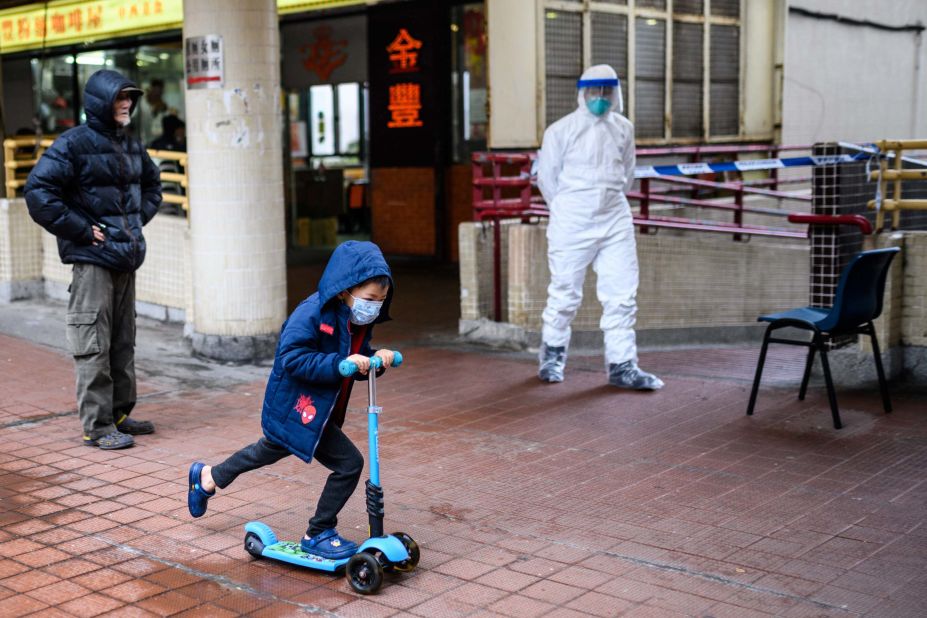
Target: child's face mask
x=364 y=311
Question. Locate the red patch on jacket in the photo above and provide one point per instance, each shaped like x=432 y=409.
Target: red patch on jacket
x=327 y=329
x=305 y=408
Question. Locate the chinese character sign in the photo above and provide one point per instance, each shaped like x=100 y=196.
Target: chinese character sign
x=409 y=82
x=403 y=52
x=324 y=54
x=204 y=64
x=405 y=99
x=405 y=103
x=56 y=23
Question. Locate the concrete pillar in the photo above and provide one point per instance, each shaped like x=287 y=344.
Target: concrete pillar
x=513 y=73
x=236 y=184
x=760 y=30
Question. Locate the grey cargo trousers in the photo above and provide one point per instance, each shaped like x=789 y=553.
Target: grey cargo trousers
x=101 y=337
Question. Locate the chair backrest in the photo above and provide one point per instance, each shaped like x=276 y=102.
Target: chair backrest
x=859 y=293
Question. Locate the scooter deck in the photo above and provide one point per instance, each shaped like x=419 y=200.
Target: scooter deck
x=288 y=551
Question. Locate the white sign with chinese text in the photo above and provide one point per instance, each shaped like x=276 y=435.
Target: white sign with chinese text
x=204 y=64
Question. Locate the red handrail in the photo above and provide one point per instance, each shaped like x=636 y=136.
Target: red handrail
x=716 y=149
x=858 y=220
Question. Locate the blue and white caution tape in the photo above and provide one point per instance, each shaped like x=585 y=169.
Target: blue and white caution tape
x=873 y=150
x=748 y=165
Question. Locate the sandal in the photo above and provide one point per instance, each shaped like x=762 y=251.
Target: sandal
x=197 y=497
x=134 y=427
x=329 y=544
x=111 y=441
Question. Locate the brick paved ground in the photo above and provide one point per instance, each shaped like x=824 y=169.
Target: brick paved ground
x=527 y=499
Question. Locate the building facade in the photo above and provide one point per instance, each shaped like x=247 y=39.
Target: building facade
x=378 y=105
x=385 y=101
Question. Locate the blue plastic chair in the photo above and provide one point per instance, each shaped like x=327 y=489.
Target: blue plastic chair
x=857 y=303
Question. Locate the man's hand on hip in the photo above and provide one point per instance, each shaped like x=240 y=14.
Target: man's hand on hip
x=98 y=236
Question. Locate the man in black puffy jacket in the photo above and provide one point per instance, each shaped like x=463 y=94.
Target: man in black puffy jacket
x=94 y=189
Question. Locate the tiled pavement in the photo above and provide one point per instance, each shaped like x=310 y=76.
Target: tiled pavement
x=526 y=499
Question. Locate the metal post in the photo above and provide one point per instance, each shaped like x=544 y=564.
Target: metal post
x=896 y=213
x=774 y=173
x=497 y=268
x=645 y=203
x=696 y=157
x=739 y=213
x=476 y=167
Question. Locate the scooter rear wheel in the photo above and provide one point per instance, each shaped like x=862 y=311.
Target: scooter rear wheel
x=254 y=545
x=364 y=573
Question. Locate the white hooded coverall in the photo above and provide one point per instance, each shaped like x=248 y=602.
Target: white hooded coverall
x=585 y=166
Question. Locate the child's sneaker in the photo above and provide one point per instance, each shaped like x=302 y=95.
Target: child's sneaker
x=197 y=497
x=330 y=545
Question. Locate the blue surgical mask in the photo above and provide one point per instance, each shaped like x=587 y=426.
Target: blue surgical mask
x=365 y=311
x=598 y=105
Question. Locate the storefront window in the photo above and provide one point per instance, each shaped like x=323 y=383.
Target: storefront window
x=469 y=105
x=335 y=134
x=349 y=118
x=157 y=69
x=327 y=155
x=54 y=93
x=322 y=120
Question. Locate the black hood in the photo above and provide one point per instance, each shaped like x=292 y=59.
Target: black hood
x=100 y=94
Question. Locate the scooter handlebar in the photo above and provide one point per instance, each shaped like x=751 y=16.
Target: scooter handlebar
x=348 y=368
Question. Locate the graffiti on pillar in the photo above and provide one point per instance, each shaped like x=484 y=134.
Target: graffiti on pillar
x=403 y=52
x=204 y=66
x=324 y=54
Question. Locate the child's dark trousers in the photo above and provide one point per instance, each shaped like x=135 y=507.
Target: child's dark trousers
x=335 y=451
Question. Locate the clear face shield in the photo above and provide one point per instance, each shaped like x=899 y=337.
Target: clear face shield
x=598 y=92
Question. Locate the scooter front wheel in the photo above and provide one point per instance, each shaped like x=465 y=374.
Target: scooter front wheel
x=364 y=573
x=411 y=546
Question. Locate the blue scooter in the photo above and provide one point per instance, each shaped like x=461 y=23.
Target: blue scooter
x=378 y=554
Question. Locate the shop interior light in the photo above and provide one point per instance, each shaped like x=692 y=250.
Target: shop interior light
x=551 y=15
x=96 y=59
x=651 y=22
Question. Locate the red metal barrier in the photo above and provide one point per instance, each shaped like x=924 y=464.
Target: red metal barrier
x=659 y=151
x=858 y=220
x=512 y=195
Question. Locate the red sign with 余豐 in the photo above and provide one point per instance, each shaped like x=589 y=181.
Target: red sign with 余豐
x=403 y=52
x=408 y=69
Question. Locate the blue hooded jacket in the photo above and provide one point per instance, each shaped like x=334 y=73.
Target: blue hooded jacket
x=304 y=382
x=95 y=174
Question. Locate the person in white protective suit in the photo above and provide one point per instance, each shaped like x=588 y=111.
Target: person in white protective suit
x=585 y=166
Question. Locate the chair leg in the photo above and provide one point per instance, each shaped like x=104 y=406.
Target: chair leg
x=883 y=383
x=831 y=394
x=807 y=376
x=759 y=371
